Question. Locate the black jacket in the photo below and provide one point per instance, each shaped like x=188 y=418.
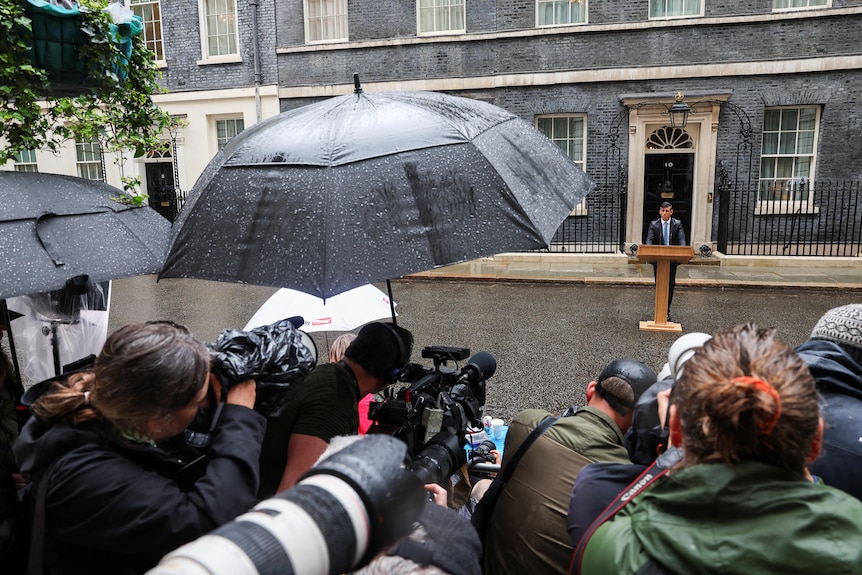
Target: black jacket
x=839 y=381
x=599 y=484
x=117 y=507
x=677 y=234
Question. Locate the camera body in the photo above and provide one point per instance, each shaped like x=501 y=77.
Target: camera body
x=434 y=406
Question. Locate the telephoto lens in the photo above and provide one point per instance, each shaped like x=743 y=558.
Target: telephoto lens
x=440 y=458
x=344 y=511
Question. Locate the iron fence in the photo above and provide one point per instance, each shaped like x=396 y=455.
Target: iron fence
x=595 y=226
x=802 y=219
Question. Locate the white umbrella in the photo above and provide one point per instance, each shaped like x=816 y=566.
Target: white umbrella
x=342 y=312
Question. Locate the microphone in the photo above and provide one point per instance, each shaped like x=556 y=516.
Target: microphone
x=481 y=366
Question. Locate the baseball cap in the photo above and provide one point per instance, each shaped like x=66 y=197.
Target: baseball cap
x=637 y=374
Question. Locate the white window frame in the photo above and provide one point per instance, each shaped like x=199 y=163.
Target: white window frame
x=565 y=141
x=219 y=144
x=787 y=187
x=777 y=8
x=153 y=33
x=339 y=17
x=435 y=5
x=666 y=4
x=540 y=4
x=233 y=27
x=25 y=161
x=89 y=159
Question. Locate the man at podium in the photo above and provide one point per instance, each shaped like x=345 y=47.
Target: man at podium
x=666 y=231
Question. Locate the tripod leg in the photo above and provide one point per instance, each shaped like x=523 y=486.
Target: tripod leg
x=55 y=349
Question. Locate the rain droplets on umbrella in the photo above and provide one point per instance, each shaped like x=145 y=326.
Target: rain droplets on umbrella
x=367 y=187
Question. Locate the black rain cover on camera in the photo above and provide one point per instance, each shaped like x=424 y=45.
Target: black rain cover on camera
x=273 y=355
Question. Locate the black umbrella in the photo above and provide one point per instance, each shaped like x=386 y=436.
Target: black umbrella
x=57 y=230
x=366 y=187
x=54 y=228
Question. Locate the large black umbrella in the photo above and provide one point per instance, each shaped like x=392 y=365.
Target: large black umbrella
x=54 y=228
x=366 y=187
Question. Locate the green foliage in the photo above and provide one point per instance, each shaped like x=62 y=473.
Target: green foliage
x=21 y=118
x=119 y=113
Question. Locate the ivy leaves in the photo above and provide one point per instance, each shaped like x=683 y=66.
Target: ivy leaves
x=115 y=107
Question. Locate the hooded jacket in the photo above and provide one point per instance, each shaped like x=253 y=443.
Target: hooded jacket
x=747 y=519
x=117 y=507
x=839 y=381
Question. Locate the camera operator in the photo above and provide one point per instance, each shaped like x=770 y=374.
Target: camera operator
x=325 y=405
x=113 y=501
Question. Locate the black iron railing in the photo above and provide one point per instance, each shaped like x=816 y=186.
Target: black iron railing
x=595 y=228
x=801 y=219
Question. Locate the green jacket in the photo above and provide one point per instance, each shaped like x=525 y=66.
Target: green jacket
x=747 y=519
x=527 y=532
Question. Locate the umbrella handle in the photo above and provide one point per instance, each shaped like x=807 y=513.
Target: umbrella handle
x=391 y=301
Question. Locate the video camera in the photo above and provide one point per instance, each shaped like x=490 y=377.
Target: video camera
x=434 y=408
x=277 y=356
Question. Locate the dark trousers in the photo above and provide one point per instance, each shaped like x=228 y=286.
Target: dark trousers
x=671 y=282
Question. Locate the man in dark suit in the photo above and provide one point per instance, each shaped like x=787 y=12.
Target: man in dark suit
x=666 y=231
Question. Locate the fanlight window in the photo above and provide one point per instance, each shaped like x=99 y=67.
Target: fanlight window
x=161 y=153
x=668 y=138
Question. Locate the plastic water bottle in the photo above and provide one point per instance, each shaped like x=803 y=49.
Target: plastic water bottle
x=486 y=423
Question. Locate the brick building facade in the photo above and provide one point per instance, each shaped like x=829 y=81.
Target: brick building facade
x=606 y=78
x=772 y=88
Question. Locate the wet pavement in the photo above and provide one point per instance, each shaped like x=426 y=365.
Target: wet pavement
x=552 y=333
x=716 y=271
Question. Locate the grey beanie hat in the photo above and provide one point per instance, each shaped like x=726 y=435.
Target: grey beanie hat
x=842 y=325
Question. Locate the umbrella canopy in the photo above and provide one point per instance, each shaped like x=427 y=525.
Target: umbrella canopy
x=54 y=227
x=365 y=187
x=342 y=312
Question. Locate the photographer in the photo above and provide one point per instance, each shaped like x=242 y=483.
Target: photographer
x=325 y=405
x=746 y=413
x=114 y=499
x=527 y=528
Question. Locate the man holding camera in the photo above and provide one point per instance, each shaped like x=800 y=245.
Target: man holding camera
x=527 y=531
x=325 y=404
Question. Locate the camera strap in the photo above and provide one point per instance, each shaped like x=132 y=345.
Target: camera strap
x=649 y=476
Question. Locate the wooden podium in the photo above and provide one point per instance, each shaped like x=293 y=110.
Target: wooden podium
x=663 y=256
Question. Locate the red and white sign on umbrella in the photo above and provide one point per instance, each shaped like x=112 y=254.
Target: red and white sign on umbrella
x=342 y=312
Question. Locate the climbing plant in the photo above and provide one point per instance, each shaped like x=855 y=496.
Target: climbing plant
x=114 y=105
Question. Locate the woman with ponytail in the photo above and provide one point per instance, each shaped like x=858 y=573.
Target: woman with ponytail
x=114 y=500
x=745 y=412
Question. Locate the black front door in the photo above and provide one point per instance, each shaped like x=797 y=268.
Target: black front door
x=160 y=188
x=668 y=178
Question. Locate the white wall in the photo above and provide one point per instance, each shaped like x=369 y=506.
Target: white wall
x=196 y=142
